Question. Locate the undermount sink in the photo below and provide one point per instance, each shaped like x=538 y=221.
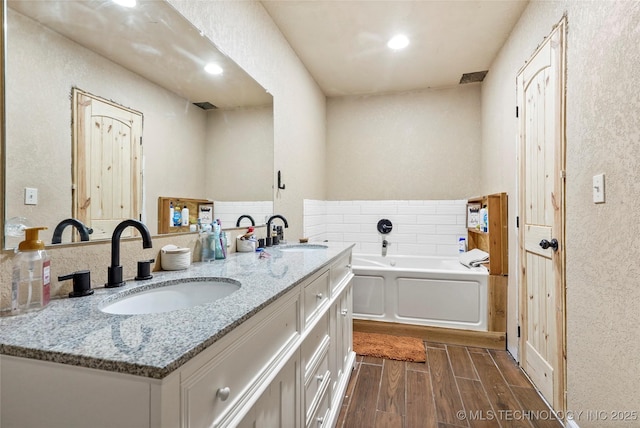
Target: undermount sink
x=302 y=247
x=170 y=296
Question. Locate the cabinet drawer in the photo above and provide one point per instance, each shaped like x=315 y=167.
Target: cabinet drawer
x=321 y=413
x=316 y=294
x=314 y=345
x=339 y=270
x=315 y=383
x=218 y=386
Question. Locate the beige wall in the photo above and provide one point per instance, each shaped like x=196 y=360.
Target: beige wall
x=245 y=32
x=239 y=154
x=413 y=145
x=39 y=131
x=603 y=129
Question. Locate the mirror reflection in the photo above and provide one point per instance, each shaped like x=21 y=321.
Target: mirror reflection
x=202 y=135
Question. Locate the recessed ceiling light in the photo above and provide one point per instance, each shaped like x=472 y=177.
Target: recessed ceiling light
x=399 y=41
x=126 y=3
x=212 y=68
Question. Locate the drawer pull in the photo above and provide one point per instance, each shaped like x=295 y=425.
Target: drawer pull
x=320 y=378
x=320 y=420
x=223 y=393
x=344 y=312
x=319 y=296
x=349 y=266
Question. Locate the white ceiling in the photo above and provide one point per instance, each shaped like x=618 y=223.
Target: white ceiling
x=343 y=43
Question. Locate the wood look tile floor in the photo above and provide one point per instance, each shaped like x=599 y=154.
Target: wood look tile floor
x=458 y=386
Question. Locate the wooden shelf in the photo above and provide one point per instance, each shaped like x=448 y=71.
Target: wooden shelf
x=163 y=212
x=494 y=242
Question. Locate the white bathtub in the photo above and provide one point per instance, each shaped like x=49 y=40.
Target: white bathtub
x=420 y=290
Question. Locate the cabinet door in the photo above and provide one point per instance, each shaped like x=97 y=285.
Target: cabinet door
x=346 y=315
x=279 y=404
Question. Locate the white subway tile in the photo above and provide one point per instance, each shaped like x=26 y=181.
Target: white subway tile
x=436 y=219
x=450 y=209
x=444 y=229
x=417 y=209
x=341 y=227
x=343 y=209
x=416 y=228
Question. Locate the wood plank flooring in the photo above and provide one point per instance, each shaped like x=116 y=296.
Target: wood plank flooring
x=457 y=386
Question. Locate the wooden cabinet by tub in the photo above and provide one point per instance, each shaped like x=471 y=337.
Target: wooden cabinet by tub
x=288 y=365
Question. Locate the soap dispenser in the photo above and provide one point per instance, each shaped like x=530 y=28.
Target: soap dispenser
x=31 y=279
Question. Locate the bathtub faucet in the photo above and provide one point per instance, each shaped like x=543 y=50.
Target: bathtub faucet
x=385 y=244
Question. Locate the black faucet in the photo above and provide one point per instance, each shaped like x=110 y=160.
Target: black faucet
x=253 y=223
x=286 y=224
x=114 y=272
x=83 y=230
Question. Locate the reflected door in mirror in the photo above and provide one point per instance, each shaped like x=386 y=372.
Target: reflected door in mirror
x=107 y=163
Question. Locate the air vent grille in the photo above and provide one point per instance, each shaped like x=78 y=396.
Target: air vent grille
x=476 y=76
x=206 y=105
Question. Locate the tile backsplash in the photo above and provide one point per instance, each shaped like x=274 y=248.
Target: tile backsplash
x=425 y=228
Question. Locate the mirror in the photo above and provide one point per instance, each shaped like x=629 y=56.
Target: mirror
x=148 y=59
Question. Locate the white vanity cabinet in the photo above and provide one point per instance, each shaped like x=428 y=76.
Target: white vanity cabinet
x=286 y=366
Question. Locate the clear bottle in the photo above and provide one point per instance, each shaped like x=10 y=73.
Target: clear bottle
x=217 y=244
x=31 y=279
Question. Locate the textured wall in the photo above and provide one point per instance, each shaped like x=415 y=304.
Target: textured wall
x=603 y=133
x=244 y=31
x=414 y=145
x=239 y=154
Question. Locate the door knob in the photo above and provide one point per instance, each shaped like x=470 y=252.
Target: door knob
x=546 y=244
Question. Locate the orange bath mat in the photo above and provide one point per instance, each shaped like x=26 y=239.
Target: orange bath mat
x=389 y=347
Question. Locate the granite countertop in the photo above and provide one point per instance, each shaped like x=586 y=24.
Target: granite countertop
x=76 y=332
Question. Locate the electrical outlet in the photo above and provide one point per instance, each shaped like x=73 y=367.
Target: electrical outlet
x=598 y=189
x=30 y=196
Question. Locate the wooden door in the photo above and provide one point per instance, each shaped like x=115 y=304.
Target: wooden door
x=540 y=86
x=107 y=164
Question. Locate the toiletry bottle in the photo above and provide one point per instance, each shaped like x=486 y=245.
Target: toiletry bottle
x=484 y=218
x=185 y=215
x=217 y=245
x=177 y=216
x=31 y=279
x=171 y=214
x=462 y=245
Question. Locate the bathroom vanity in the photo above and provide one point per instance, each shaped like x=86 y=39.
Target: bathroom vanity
x=277 y=352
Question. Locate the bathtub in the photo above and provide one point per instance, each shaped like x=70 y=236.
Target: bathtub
x=420 y=290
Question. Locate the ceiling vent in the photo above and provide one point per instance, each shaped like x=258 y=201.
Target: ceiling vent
x=206 y=105
x=477 y=76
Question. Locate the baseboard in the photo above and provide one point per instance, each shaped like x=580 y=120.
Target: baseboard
x=480 y=339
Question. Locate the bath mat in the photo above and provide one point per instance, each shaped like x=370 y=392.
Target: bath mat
x=389 y=347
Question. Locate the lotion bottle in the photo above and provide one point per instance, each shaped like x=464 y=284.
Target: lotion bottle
x=31 y=279
x=185 y=216
x=171 y=223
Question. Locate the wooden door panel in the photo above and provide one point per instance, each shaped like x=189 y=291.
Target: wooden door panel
x=107 y=164
x=541 y=288
x=533 y=234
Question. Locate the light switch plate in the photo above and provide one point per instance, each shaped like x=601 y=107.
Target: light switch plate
x=30 y=196
x=598 y=189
